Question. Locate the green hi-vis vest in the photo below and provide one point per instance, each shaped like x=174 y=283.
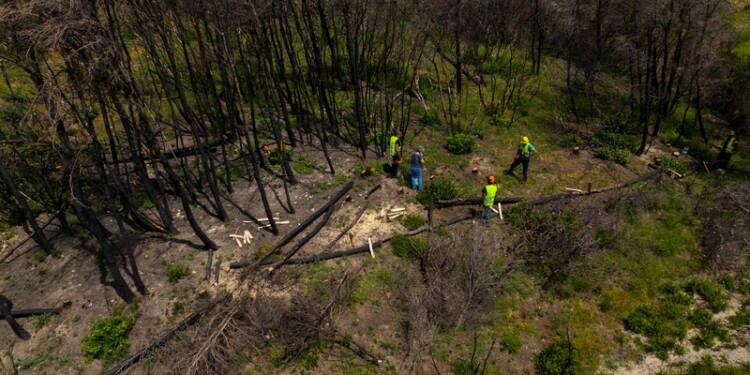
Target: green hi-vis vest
x=489 y=198
x=394 y=139
x=730 y=146
x=524 y=147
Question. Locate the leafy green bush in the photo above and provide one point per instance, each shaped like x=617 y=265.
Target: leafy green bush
x=664 y=325
x=618 y=156
x=556 y=358
x=674 y=164
x=441 y=189
x=711 y=292
x=431 y=119
x=108 y=339
x=412 y=221
x=175 y=272
x=615 y=145
x=511 y=343
x=707 y=366
x=461 y=143
x=571 y=140
x=741 y=318
x=499 y=121
x=410 y=248
x=274 y=157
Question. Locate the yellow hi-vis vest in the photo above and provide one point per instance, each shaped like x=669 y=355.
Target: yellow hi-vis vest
x=393 y=140
x=729 y=146
x=489 y=198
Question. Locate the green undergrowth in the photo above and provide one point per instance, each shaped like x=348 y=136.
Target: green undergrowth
x=108 y=338
x=410 y=248
x=665 y=321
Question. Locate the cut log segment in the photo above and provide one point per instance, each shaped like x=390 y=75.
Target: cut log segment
x=296 y=231
x=27 y=313
x=306 y=239
x=366 y=248
x=356 y=218
x=474 y=201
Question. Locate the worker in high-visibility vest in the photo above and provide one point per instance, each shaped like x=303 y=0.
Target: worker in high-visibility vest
x=523 y=156
x=394 y=150
x=727 y=149
x=488 y=198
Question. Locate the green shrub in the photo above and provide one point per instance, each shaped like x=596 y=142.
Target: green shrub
x=511 y=343
x=441 y=188
x=40 y=321
x=556 y=358
x=175 y=272
x=412 y=221
x=274 y=157
x=108 y=339
x=410 y=248
x=499 y=121
x=710 y=291
x=571 y=140
x=613 y=143
x=431 y=119
x=674 y=164
x=618 y=156
x=741 y=319
x=707 y=366
x=664 y=326
x=461 y=143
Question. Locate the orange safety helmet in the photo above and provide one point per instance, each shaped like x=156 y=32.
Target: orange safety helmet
x=491 y=179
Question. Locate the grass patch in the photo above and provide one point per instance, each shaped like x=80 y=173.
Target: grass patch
x=442 y=188
x=710 y=291
x=412 y=221
x=39 y=321
x=175 y=272
x=664 y=325
x=108 y=339
x=411 y=248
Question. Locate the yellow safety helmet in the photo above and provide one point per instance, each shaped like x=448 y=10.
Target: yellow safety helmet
x=525 y=139
x=491 y=179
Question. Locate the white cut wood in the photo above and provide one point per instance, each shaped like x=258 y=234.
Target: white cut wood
x=392 y=217
x=674 y=173
x=266 y=219
x=398 y=209
x=494 y=210
x=369 y=242
x=239 y=243
x=500 y=210
x=574 y=190
x=236 y=236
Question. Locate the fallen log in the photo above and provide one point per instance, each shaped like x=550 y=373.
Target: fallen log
x=26 y=313
x=310 y=219
x=356 y=218
x=474 y=201
x=366 y=248
x=304 y=240
x=6 y=306
x=189 y=320
x=372 y=191
x=552 y=198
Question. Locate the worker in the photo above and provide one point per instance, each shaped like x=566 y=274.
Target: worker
x=394 y=151
x=727 y=149
x=417 y=161
x=488 y=198
x=523 y=155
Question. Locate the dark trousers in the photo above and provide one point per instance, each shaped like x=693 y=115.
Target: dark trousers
x=394 y=166
x=723 y=160
x=520 y=160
